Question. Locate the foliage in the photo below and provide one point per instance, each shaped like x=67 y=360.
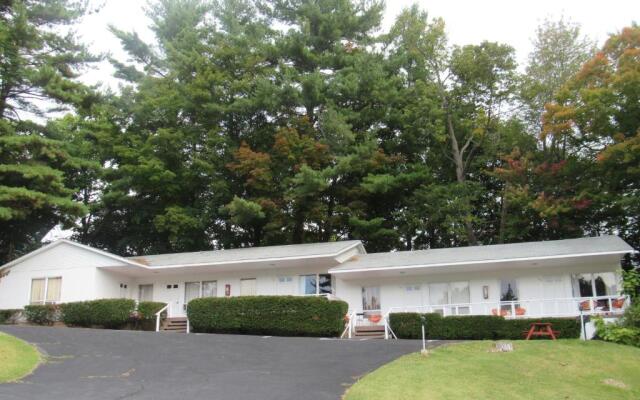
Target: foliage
x=268 y=315
x=631 y=284
x=617 y=333
x=107 y=313
x=40 y=61
x=473 y=327
x=572 y=369
x=148 y=309
x=245 y=123
x=17 y=358
x=9 y=316
x=41 y=314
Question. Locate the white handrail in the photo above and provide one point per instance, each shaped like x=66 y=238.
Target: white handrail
x=165 y=308
x=571 y=304
x=349 y=328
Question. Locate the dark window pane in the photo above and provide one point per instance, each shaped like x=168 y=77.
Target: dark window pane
x=325 y=284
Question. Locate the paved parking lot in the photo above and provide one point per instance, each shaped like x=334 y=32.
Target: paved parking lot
x=109 y=365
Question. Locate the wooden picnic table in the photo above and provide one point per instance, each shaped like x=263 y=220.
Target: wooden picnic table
x=541 y=329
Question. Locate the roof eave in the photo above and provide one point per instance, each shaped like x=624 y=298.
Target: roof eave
x=341 y=270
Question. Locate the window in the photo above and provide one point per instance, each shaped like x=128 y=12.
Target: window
x=209 y=289
x=45 y=290
x=598 y=284
x=248 y=287
x=309 y=284
x=508 y=293
x=508 y=290
x=145 y=292
x=371 y=298
x=450 y=293
x=438 y=293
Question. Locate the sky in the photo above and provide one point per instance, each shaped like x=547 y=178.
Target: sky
x=468 y=22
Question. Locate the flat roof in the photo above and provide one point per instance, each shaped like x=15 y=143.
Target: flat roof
x=551 y=249
x=249 y=254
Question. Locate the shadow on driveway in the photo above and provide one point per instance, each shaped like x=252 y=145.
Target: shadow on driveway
x=105 y=364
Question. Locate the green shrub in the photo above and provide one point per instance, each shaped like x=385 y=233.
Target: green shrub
x=268 y=315
x=617 y=333
x=148 y=309
x=473 y=327
x=77 y=313
x=42 y=314
x=9 y=316
x=108 y=313
x=631 y=317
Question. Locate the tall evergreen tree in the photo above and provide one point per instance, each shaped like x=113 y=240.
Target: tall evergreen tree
x=39 y=59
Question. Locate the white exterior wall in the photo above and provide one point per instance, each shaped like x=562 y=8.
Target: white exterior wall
x=532 y=284
x=75 y=265
x=267 y=284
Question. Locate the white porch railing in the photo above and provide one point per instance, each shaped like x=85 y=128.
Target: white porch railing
x=350 y=325
x=533 y=308
x=528 y=308
x=159 y=314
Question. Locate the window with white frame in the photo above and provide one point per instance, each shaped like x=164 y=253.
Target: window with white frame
x=46 y=290
x=371 y=299
x=145 y=292
x=315 y=284
x=595 y=284
x=456 y=293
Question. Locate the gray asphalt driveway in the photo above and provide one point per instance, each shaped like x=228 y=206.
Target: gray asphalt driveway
x=104 y=364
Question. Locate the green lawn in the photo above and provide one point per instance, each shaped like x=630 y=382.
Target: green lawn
x=565 y=369
x=17 y=358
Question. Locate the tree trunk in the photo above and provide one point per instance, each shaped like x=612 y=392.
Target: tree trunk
x=503 y=214
x=459 y=163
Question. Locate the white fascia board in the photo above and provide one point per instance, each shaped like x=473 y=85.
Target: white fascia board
x=61 y=241
x=245 y=261
x=414 y=266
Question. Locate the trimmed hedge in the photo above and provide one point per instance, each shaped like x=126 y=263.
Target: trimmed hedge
x=108 y=313
x=474 y=327
x=148 y=309
x=41 y=314
x=268 y=315
x=9 y=316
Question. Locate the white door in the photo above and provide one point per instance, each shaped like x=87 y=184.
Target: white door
x=248 y=287
x=191 y=291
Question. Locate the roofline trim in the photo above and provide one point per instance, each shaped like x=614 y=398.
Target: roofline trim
x=415 y=266
x=71 y=242
x=176 y=266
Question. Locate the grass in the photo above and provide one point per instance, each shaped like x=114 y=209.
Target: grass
x=17 y=358
x=565 y=369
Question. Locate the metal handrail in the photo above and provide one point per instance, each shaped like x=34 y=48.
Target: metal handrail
x=165 y=308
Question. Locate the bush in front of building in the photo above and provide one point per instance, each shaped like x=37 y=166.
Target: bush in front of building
x=107 y=313
x=42 y=314
x=9 y=316
x=268 y=315
x=148 y=309
x=473 y=327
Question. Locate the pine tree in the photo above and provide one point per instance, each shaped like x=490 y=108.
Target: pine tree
x=39 y=61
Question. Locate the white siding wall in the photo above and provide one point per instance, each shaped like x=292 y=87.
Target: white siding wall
x=541 y=283
x=76 y=266
x=267 y=283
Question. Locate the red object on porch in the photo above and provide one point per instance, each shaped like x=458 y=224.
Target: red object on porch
x=541 y=329
x=618 y=303
x=375 y=318
x=521 y=311
x=503 y=313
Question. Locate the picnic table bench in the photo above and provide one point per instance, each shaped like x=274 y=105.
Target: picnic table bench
x=541 y=329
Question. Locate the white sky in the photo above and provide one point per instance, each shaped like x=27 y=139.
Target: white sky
x=471 y=21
